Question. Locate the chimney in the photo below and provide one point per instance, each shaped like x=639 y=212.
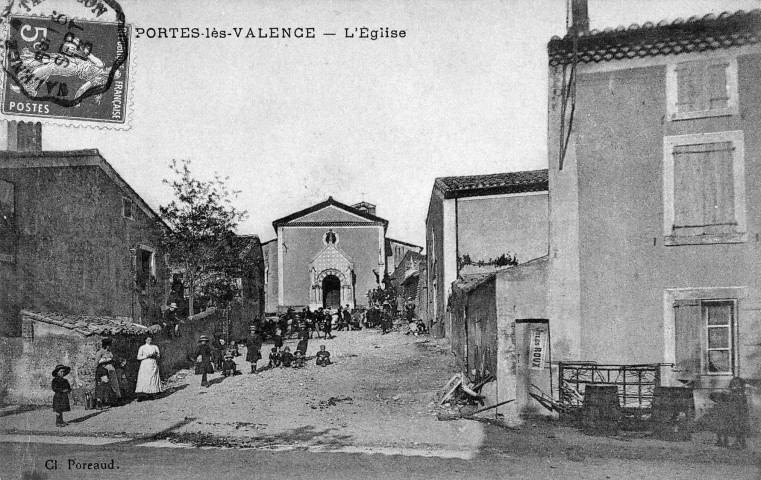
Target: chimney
x=579 y=16
x=24 y=136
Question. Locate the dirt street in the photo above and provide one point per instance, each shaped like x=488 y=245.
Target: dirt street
x=375 y=398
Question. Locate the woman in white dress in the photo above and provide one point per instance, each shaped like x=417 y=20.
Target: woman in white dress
x=148 y=380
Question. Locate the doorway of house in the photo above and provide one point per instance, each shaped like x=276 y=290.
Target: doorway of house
x=331 y=292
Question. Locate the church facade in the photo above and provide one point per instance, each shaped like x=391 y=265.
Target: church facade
x=328 y=255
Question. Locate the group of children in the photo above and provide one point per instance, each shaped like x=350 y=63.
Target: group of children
x=286 y=359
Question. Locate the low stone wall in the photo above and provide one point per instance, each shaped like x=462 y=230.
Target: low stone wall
x=26 y=365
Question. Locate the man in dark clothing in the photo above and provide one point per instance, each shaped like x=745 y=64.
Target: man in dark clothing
x=171 y=322
x=328 y=325
x=203 y=360
x=303 y=342
x=347 y=318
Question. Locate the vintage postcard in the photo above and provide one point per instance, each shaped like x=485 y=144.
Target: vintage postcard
x=380 y=239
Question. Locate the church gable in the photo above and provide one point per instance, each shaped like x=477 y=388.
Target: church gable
x=331 y=213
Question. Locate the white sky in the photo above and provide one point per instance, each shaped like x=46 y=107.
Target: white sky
x=293 y=121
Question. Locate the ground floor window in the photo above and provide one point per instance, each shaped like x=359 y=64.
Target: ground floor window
x=705 y=336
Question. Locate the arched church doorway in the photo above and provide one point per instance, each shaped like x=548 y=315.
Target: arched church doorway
x=331 y=292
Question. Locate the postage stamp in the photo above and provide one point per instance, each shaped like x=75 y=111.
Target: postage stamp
x=61 y=68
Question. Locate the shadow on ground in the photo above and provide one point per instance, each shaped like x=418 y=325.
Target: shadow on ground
x=306 y=435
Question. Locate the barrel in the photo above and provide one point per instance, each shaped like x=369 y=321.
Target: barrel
x=672 y=413
x=601 y=411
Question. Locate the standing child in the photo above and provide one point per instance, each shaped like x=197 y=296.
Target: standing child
x=203 y=360
x=61 y=387
x=323 y=357
x=286 y=358
x=278 y=338
x=274 y=358
x=103 y=392
x=732 y=415
x=254 y=348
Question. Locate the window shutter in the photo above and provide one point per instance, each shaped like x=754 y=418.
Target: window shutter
x=687 y=329
x=719 y=206
x=716 y=84
x=704 y=185
x=688 y=181
x=689 y=87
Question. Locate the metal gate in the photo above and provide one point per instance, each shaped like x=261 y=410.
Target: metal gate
x=635 y=383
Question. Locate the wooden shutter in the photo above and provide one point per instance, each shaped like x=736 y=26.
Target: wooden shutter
x=687 y=330
x=704 y=185
x=689 y=87
x=716 y=86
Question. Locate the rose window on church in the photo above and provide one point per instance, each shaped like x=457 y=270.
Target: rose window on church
x=330 y=238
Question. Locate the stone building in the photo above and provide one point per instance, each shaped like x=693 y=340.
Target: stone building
x=654 y=216
x=475 y=220
x=76 y=239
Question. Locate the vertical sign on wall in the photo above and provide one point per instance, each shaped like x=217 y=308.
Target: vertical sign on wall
x=538 y=348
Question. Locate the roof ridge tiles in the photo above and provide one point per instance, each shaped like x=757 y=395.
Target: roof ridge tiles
x=726 y=29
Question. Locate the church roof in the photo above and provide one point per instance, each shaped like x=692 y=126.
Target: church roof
x=331 y=202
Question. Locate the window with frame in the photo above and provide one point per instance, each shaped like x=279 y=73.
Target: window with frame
x=704 y=188
x=705 y=88
x=7 y=221
x=127 y=208
x=145 y=267
x=705 y=334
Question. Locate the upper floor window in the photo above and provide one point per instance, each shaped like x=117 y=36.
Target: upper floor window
x=145 y=267
x=706 y=88
x=127 y=207
x=704 y=188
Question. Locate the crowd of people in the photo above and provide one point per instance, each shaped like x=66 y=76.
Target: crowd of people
x=214 y=354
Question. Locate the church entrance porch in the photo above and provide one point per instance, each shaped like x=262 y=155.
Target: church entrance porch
x=331 y=288
x=331 y=292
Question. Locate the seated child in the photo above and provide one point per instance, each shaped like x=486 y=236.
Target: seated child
x=323 y=357
x=228 y=365
x=286 y=358
x=234 y=348
x=274 y=358
x=298 y=359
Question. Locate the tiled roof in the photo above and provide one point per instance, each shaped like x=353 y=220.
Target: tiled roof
x=696 y=34
x=91 y=325
x=493 y=184
x=329 y=202
x=468 y=283
x=75 y=159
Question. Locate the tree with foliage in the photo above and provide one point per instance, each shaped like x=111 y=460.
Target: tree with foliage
x=201 y=240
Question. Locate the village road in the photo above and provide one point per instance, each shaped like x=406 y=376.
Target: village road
x=53 y=462
x=368 y=415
